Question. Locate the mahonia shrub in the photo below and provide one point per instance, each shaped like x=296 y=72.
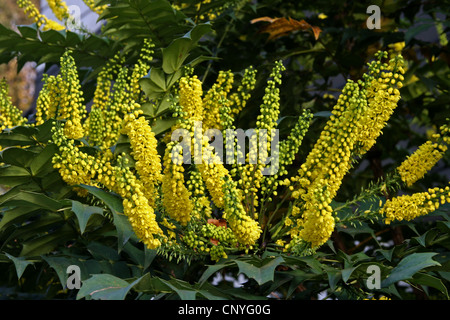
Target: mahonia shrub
x=172 y=203
x=148 y=152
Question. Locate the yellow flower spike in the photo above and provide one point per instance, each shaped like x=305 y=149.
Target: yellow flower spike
x=10 y=115
x=190 y=92
x=33 y=13
x=409 y=207
x=175 y=195
x=148 y=162
x=92 y=5
x=59 y=8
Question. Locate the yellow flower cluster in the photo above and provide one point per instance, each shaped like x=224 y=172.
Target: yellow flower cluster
x=320 y=176
x=383 y=82
x=200 y=201
x=136 y=207
x=94 y=7
x=10 y=115
x=175 y=195
x=214 y=99
x=71 y=107
x=421 y=161
x=252 y=175
x=77 y=167
x=409 y=207
x=287 y=150
x=190 y=98
x=213 y=173
x=143 y=145
x=95 y=127
x=242 y=95
x=61 y=98
x=59 y=8
x=141 y=68
x=246 y=230
x=74 y=166
x=38 y=18
x=357 y=119
x=48 y=100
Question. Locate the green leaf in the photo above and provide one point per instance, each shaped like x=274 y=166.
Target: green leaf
x=12 y=176
x=177 y=52
x=212 y=269
x=59 y=264
x=162 y=125
x=114 y=202
x=84 y=212
x=105 y=287
x=183 y=290
x=151 y=90
x=41 y=164
x=334 y=276
x=48 y=242
x=261 y=274
x=430 y=281
x=34 y=199
x=20 y=263
x=17 y=156
x=17 y=215
x=408 y=266
x=101 y=252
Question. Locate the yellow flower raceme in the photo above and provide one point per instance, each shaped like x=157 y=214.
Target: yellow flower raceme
x=38 y=18
x=71 y=107
x=252 y=174
x=92 y=5
x=10 y=115
x=317 y=221
x=409 y=207
x=176 y=197
x=382 y=84
x=238 y=100
x=143 y=145
x=48 y=100
x=59 y=8
x=212 y=171
x=190 y=92
x=420 y=162
x=246 y=230
x=212 y=100
x=201 y=203
x=137 y=208
x=141 y=68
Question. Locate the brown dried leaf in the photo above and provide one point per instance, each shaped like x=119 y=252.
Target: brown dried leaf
x=279 y=27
